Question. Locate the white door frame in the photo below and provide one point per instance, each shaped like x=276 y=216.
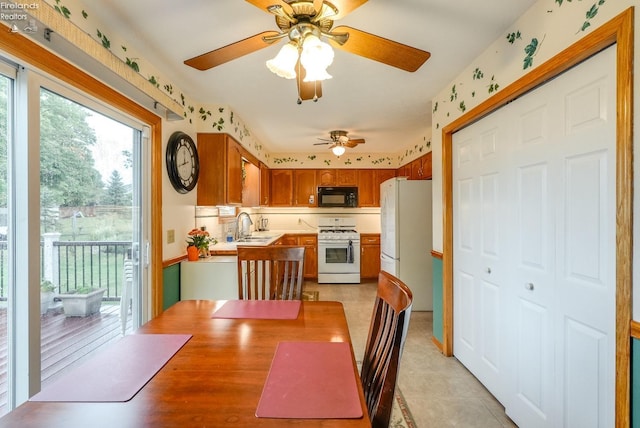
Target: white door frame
x=618 y=31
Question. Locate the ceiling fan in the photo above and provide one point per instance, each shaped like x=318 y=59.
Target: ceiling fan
x=340 y=141
x=304 y=22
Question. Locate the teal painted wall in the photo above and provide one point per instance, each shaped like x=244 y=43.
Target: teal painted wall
x=170 y=285
x=437 y=298
x=635 y=383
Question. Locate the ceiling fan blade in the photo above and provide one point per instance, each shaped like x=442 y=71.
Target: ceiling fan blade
x=264 y=5
x=230 y=52
x=380 y=49
x=345 y=7
x=354 y=142
x=322 y=144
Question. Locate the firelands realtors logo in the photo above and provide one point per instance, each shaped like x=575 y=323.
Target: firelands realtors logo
x=17 y=15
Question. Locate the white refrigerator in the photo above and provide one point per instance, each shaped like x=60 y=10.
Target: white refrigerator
x=406 y=236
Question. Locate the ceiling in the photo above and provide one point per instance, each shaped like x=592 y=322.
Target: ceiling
x=388 y=107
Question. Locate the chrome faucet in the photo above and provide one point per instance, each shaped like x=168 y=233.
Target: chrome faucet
x=239 y=228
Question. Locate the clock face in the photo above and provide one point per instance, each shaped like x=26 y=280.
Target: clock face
x=182 y=162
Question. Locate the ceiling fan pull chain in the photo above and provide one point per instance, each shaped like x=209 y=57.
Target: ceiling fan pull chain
x=315 y=91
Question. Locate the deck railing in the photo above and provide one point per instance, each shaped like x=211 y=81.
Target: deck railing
x=70 y=265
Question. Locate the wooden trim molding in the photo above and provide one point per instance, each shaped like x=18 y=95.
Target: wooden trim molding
x=437 y=343
x=635 y=329
x=436 y=254
x=618 y=30
x=173 y=261
x=32 y=54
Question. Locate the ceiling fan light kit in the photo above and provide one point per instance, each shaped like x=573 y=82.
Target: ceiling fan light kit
x=305 y=22
x=338 y=150
x=284 y=64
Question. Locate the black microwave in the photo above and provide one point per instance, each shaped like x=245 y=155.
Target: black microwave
x=338 y=197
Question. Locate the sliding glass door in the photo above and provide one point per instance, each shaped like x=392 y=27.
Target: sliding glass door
x=90 y=226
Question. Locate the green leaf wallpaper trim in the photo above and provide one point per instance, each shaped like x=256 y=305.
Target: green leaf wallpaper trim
x=511 y=37
x=62 y=9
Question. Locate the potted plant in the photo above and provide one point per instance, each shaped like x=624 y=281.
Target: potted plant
x=199 y=239
x=82 y=302
x=47 y=290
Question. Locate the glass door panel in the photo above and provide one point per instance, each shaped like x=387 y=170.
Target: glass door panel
x=89 y=227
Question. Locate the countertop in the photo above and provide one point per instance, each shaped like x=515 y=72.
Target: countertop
x=271 y=236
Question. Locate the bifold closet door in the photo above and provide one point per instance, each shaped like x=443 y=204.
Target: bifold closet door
x=553 y=330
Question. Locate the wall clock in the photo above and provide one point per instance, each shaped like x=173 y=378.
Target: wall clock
x=183 y=165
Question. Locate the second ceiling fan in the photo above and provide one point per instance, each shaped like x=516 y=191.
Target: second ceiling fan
x=305 y=57
x=340 y=141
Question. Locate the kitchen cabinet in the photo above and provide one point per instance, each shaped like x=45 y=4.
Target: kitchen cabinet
x=304 y=188
x=310 y=242
x=369 y=255
x=369 y=185
x=326 y=177
x=250 y=184
x=418 y=169
x=265 y=185
x=404 y=171
x=337 y=177
x=421 y=168
x=281 y=187
x=220 y=181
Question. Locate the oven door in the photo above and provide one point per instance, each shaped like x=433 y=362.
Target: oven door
x=339 y=257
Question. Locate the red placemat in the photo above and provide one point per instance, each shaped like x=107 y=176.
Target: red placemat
x=259 y=309
x=117 y=373
x=311 y=380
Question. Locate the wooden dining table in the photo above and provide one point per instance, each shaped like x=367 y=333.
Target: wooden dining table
x=216 y=379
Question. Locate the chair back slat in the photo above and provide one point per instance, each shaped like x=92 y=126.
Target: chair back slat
x=270 y=273
x=387 y=334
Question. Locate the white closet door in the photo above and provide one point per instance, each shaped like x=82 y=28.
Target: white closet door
x=479 y=239
x=552 y=281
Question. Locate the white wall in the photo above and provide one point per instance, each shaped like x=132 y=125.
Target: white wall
x=556 y=27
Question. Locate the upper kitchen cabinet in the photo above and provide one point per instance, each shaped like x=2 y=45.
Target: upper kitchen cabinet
x=281 y=187
x=250 y=184
x=369 y=185
x=265 y=185
x=305 y=189
x=220 y=181
x=337 y=177
x=421 y=168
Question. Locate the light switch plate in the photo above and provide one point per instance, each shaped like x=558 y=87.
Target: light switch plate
x=171 y=236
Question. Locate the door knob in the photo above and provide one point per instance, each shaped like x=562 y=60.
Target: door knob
x=529 y=286
x=488 y=270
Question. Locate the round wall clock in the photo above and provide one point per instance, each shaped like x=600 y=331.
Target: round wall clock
x=183 y=165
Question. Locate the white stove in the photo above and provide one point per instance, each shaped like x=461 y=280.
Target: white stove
x=338 y=251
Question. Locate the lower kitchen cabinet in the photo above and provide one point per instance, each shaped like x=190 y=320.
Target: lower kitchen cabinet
x=310 y=242
x=369 y=255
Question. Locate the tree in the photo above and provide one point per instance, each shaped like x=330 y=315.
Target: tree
x=67 y=172
x=116 y=192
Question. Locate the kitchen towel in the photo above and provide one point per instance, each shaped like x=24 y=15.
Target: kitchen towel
x=311 y=380
x=117 y=373
x=259 y=309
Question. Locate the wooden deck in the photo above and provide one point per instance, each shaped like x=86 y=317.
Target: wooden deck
x=65 y=341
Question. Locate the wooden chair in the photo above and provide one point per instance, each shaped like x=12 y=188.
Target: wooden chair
x=387 y=334
x=270 y=273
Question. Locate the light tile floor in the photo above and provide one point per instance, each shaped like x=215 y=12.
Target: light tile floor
x=439 y=391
